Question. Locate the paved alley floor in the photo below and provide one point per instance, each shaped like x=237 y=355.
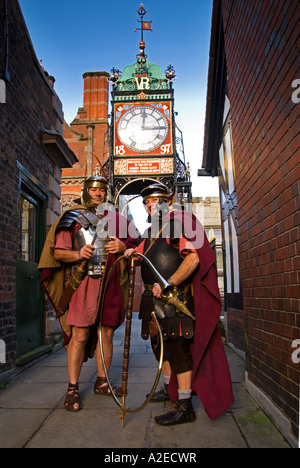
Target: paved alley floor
x=32 y=413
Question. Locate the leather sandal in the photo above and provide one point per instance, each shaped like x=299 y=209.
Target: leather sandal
x=101 y=387
x=72 y=401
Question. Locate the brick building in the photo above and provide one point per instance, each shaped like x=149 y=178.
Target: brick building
x=252 y=142
x=32 y=153
x=87 y=135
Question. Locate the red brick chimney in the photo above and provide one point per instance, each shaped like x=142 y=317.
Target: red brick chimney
x=85 y=135
x=95 y=95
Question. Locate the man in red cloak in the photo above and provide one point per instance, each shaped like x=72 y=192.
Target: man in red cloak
x=194 y=355
x=75 y=238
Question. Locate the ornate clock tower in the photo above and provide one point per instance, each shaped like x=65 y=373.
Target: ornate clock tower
x=144 y=138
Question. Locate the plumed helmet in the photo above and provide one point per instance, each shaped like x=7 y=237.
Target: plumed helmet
x=159 y=190
x=93 y=181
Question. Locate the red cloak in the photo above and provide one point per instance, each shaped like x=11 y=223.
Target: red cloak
x=211 y=375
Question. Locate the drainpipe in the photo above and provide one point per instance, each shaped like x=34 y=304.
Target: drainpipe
x=7 y=74
x=90 y=150
x=6 y=77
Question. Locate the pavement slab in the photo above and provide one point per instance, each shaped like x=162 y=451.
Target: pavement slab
x=32 y=413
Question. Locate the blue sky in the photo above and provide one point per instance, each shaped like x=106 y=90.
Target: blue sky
x=72 y=37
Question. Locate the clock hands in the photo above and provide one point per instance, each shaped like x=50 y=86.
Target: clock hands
x=144 y=115
x=154 y=128
x=147 y=116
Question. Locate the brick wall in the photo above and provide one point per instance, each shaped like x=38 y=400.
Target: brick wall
x=263 y=59
x=236 y=329
x=31 y=105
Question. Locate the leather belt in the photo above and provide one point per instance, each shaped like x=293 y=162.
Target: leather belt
x=183 y=289
x=148 y=287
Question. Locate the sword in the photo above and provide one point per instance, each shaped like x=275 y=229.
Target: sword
x=169 y=292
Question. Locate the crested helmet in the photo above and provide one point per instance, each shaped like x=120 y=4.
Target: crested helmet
x=93 y=181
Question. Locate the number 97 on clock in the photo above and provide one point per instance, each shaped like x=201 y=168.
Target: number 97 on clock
x=164 y=149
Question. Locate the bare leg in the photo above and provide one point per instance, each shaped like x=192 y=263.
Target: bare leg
x=107 y=341
x=166 y=369
x=185 y=380
x=163 y=394
x=76 y=352
x=75 y=360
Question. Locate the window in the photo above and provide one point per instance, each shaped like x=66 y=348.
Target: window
x=28 y=216
x=229 y=209
x=227 y=256
x=229 y=161
x=2 y=92
x=31 y=216
x=235 y=258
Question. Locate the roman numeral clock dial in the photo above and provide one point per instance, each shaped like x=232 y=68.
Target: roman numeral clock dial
x=143 y=128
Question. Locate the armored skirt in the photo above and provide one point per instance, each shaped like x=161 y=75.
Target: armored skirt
x=177 y=328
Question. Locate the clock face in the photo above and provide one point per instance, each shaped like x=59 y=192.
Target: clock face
x=143 y=128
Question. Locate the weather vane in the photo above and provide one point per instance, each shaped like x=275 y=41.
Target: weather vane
x=145 y=25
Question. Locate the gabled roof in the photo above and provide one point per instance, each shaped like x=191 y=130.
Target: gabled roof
x=216 y=86
x=58 y=149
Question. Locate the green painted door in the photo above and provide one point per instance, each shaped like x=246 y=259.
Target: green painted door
x=30 y=310
x=29 y=319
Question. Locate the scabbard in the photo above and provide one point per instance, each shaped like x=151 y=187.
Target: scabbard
x=72 y=286
x=65 y=300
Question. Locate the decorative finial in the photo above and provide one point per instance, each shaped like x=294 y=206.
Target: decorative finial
x=170 y=73
x=211 y=235
x=141 y=11
x=97 y=171
x=115 y=76
x=188 y=171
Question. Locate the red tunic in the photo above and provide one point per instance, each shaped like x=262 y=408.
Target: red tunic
x=83 y=305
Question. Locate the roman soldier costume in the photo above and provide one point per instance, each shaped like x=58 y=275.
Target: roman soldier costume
x=163 y=252
x=79 y=226
x=192 y=343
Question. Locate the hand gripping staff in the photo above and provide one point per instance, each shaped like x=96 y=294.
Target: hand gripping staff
x=122 y=405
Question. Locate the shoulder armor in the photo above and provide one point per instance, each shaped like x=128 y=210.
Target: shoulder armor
x=88 y=218
x=84 y=218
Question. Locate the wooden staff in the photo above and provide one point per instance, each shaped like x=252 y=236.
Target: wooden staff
x=127 y=336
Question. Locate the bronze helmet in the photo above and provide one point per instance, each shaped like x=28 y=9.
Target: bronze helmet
x=93 y=181
x=158 y=190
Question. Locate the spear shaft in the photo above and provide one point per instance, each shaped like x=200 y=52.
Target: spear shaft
x=127 y=336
